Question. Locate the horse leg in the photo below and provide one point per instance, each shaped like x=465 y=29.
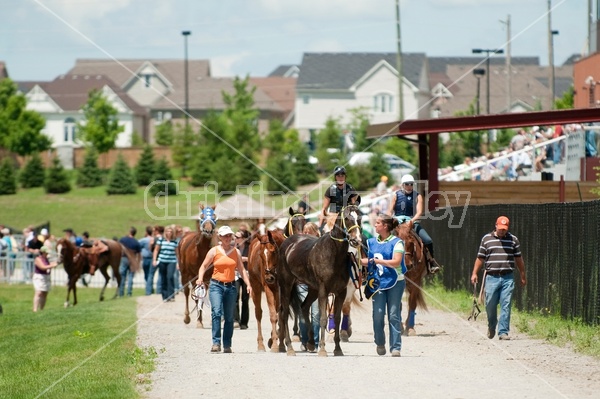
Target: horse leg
x=256 y=298
x=323 y=301
x=104 y=272
x=272 y=302
x=306 y=309
x=338 y=303
x=186 y=312
x=346 y=327
x=116 y=274
x=412 y=306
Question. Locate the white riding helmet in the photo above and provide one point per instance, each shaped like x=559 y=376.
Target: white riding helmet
x=407 y=179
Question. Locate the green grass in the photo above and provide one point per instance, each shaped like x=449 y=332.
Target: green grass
x=580 y=337
x=88 y=350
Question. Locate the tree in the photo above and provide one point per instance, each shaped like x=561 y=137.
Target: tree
x=329 y=137
x=297 y=154
x=20 y=129
x=89 y=175
x=100 y=127
x=164 y=134
x=146 y=167
x=8 y=180
x=275 y=141
x=358 y=126
x=402 y=148
x=567 y=100
x=120 y=179
x=33 y=173
x=57 y=180
x=280 y=176
x=183 y=146
x=163 y=173
x=201 y=167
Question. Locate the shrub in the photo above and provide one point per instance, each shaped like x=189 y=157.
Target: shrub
x=90 y=175
x=8 y=180
x=120 y=179
x=145 y=168
x=57 y=180
x=163 y=173
x=33 y=173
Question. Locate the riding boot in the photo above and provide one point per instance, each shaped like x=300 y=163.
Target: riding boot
x=432 y=265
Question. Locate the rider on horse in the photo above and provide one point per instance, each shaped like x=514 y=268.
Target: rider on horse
x=407 y=204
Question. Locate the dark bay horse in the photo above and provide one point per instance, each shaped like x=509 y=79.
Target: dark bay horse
x=416 y=264
x=101 y=261
x=191 y=251
x=75 y=262
x=322 y=264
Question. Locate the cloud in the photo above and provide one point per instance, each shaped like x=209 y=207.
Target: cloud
x=80 y=14
x=325 y=46
x=223 y=65
x=329 y=9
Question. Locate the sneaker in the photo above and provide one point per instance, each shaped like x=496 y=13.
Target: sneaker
x=381 y=350
x=243 y=327
x=396 y=353
x=216 y=348
x=491 y=333
x=227 y=350
x=504 y=337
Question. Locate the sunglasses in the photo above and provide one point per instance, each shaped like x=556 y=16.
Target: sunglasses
x=408 y=184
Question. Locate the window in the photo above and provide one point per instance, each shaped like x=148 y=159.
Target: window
x=147 y=78
x=70 y=130
x=305 y=99
x=383 y=103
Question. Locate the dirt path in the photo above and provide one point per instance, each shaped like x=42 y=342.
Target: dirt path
x=450 y=358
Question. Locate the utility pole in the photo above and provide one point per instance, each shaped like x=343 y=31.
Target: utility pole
x=399 y=64
x=508 y=65
x=551 y=34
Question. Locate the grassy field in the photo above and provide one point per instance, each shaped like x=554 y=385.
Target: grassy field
x=84 y=351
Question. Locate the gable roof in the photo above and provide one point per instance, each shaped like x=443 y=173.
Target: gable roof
x=70 y=92
x=339 y=71
x=280 y=89
x=286 y=71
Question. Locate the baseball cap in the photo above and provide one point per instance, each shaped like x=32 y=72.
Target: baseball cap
x=502 y=223
x=225 y=230
x=44 y=232
x=44 y=249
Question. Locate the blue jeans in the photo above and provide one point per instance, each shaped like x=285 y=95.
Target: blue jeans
x=498 y=290
x=167 y=273
x=392 y=299
x=315 y=316
x=222 y=304
x=150 y=280
x=423 y=234
x=126 y=276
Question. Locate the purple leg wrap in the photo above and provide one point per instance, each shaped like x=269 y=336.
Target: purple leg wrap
x=331 y=323
x=411 y=318
x=345 y=323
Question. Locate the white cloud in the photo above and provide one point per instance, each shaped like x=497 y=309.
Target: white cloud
x=223 y=65
x=325 y=46
x=82 y=13
x=325 y=8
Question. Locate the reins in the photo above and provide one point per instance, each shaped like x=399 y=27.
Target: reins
x=290 y=226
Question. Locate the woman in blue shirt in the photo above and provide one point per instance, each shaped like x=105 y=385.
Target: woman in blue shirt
x=166 y=261
x=387 y=251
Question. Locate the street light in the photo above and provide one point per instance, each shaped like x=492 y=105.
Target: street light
x=185 y=34
x=487 y=71
x=478 y=72
x=552 y=78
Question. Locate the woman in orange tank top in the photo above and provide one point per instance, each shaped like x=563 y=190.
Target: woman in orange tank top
x=225 y=258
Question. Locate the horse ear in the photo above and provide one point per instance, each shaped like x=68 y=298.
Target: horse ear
x=201 y=206
x=291 y=211
x=358 y=199
x=214 y=207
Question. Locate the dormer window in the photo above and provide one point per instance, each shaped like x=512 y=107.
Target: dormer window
x=383 y=103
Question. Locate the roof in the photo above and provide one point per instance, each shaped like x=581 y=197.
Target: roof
x=439 y=64
x=339 y=71
x=280 y=89
x=240 y=206
x=286 y=71
x=71 y=92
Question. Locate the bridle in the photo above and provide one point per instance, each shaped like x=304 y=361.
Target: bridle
x=270 y=274
x=290 y=226
x=345 y=229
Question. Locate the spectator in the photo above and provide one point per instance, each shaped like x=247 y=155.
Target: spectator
x=41 y=278
x=242 y=243
x=382 y=186
x=146 y=244
x=164 y=258
x=129 y=263
x=518 y=141
x=33 y=251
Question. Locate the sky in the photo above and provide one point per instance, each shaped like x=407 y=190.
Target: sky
x=41 y=39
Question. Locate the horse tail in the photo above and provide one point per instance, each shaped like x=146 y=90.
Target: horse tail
x=134 y=263
x=415 y=292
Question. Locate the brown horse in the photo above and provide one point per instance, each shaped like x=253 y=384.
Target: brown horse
x=191 y=251
x=101 y=261
x=322 y=264
x=416 y=264
x=75 y=262
x=262 y=270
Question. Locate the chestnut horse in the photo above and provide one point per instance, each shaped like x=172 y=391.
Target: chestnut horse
x=75 y=262
x=263 y=257
x=191 y=251
x=416 y=264
x=112 y=257
x=322 y=264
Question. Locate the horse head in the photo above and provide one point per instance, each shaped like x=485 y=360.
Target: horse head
x=208 y=220
x=65 y=249
x=295 y=224
x=347 y=226
x=268 y=254
x=412 y=246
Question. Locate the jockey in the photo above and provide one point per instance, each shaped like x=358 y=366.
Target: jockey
x=338 y=195
x=405 y=204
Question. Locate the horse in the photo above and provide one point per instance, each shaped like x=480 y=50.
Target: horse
x=416 y=264
x=191 y=251
x=295 y=223
x=75 y=262
x=322 y=264
x=112 y=257
x=262 y=272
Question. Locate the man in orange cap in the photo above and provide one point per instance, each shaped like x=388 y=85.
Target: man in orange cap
x=499 y=253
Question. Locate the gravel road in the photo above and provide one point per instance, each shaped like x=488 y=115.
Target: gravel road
x=449 y=358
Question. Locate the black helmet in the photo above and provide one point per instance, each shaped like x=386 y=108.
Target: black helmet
x=339 y=170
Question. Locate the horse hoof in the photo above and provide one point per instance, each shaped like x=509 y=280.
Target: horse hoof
x=101 y=298
x=186 y=320
x=411 y=332
x=199 y=324
x=270 y=343
x=291 y=352
x=338 y=352
x=261 y=348
x=344 y=336
x=66 y=305
x=349 y=331
x=322 y=353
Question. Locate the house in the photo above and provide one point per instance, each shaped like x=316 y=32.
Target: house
x=286 y=71
x=282 y=91
x=60 y=102
x=160 y=87
x=331 y=84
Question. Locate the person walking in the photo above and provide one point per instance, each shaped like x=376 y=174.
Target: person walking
x=386 y=252
x=226 y=259
x=41 y=279
x=129 y=263
x=499 y=253
x=242 y=313
x=165 y=259
x=146 y=244
x=409 y=203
